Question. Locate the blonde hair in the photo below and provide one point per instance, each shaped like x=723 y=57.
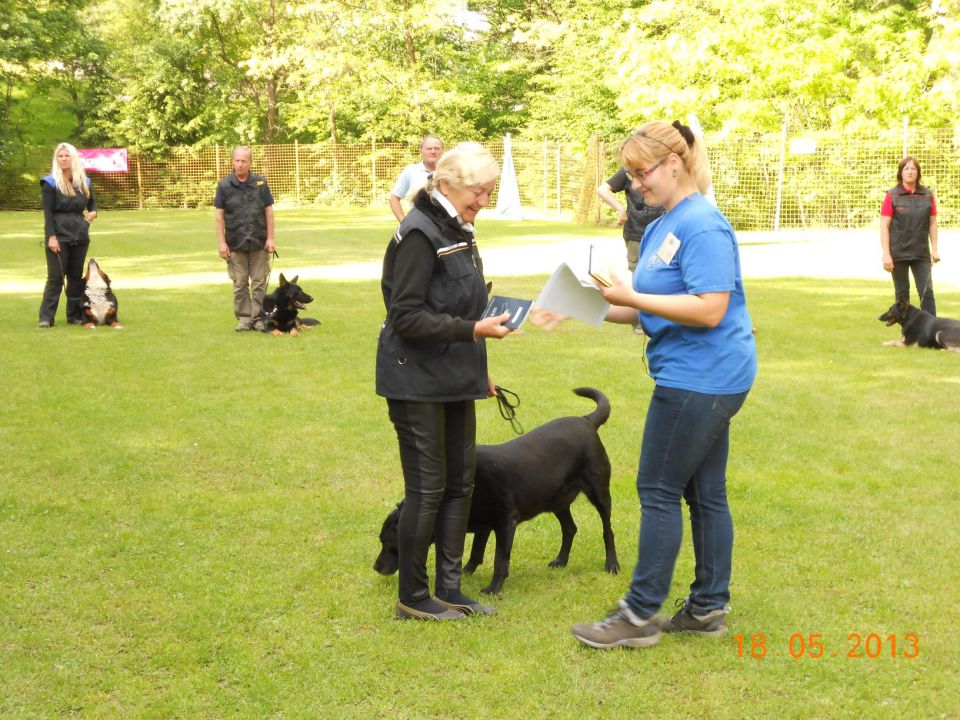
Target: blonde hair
x=655 y=141
x=78 y=176
x=467 y=164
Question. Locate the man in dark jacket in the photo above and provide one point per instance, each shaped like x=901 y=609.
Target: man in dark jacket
x=244 y=222
x=634 y=215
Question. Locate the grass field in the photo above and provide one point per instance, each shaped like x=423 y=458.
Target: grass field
x=188 y=515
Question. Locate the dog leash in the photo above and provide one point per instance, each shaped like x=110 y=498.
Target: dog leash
x=270 y=260
x=63 y=273
x=508 y=402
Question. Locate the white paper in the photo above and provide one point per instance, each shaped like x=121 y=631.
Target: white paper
x=575 y=294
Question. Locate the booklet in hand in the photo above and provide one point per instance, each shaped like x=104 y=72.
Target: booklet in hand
x=596 y=271
x=518 y=309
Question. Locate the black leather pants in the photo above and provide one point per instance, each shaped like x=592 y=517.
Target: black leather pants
x=438 y=456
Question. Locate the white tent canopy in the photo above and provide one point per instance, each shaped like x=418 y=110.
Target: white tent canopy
x=508 y=195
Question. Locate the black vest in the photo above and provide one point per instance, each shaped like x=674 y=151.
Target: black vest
x=436 y=371
x=244 y=216
x=910 y=225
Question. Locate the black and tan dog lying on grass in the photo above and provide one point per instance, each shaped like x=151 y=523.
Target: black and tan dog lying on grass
x=542 y=471
x=99 y=303
x=921 y=328
x=281 y=309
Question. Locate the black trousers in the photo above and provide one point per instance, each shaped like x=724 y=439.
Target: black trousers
x=70 y=263
x=438 y=456
x=921 y=278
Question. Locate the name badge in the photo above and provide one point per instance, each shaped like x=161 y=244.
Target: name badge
x=669 y=248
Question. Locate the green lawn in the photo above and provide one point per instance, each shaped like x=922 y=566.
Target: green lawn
x=188 y=515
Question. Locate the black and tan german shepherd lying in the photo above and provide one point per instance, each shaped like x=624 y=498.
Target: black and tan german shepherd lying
x=921 y=328
x=281 y=308
x=542 y=471
x=99 y=303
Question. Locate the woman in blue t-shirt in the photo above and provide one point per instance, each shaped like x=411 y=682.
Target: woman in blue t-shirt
x=687 y=293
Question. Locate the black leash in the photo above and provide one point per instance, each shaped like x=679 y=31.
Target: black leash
x=63 y=273
x=508 y=402
x=270 y=260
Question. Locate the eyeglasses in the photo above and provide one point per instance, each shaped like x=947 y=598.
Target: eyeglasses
x=641 y=174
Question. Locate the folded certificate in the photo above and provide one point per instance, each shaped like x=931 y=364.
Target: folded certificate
x=517 y=308
x=570 y=293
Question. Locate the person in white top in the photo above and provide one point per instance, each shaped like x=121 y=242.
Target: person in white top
x=415 y=175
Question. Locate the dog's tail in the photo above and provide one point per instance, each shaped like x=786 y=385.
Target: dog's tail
x=599 y=416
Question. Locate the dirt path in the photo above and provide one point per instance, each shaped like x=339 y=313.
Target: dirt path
x=851 y=254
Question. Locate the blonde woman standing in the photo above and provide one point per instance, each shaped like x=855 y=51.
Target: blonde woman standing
x=68 y=211
x=687 y=295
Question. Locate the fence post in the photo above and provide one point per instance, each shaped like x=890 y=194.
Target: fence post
x=596 y=178
x=545 y=174
x=783 y=153
x=373 y=171
x=905 y=126
x=296 y=168
x=558 y=178
x=139 y=184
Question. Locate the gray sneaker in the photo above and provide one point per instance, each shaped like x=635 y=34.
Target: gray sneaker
x=243 y=326
x=711 y=624
x=620 y=628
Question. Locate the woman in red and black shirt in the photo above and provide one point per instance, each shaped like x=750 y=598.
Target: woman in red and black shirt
x=908 y=235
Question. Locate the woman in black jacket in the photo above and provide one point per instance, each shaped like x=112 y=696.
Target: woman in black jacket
x=431 y=368
x=68 y=211
x=908 y=235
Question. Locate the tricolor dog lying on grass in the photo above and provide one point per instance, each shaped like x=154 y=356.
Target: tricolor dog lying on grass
x=281 y=309
x=921 y=328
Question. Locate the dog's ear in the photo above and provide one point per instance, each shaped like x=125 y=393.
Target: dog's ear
x=903 y=306
x=489 y=287
x=283 y=280
x=295 y=278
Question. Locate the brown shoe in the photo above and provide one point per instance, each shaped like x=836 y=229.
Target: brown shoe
x=427 y=609
x=710 y=624
x=621 y=628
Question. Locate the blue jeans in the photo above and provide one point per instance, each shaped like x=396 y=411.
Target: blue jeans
x=686 y=440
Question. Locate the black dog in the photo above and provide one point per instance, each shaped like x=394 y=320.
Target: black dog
x=921 y=328
x=281 y=308
x=99 y=303
x=542 y=471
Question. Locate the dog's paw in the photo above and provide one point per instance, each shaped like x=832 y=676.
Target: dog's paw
x=559 y=562
x=90 y=326
x=295 y=332
x=492 y=589
x=470 y=568
x=613 y=568
x=276 y=332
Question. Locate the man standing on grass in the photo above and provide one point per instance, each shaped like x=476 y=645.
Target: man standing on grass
x=416 y=174
x=244 y=223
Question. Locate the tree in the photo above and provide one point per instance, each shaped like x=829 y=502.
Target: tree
x=47 y=49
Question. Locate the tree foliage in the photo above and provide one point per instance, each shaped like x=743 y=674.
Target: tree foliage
x=154 y=73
